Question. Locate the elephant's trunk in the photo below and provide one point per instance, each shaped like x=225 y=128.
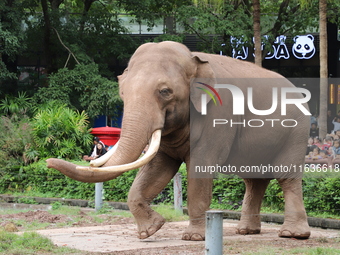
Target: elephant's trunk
x=133 y=140
x=152 y=151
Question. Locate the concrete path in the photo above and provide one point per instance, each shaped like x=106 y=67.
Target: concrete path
x=123 y=237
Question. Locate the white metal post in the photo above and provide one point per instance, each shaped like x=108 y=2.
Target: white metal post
x=213 y=232
x=98 y=196
x=178 y=197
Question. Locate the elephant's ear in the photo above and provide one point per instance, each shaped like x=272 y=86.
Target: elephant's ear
x=123 y=75
x=120 y=81
x=203 y=78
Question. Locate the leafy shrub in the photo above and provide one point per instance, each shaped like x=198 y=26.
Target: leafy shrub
x=16 y=142
x=273 y=197
x=61 y=132
x=228 y=192
x=118 y=189
x=320 y=194
x=36 y=178
x=56 y=205
x=167 y=194
x=15 y=105
x=82 y=88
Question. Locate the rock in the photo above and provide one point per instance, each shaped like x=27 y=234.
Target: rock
x=11 y=227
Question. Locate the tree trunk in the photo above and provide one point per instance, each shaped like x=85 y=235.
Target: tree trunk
x=257 y=32
x=87 y=6
x=47 y=34
x=55 y=4
x=323 y=68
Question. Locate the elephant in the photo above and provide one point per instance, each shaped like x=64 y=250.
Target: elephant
x=161 y=92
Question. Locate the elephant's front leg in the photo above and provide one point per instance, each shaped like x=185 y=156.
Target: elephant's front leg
x=149 y=182
x=199 y=198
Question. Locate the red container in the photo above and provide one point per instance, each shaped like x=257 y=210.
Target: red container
x=108 y=135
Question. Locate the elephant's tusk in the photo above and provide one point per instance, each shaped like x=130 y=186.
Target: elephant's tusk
x=151 y=152
x=103 y=159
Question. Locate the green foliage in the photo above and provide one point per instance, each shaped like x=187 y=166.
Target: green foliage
x=228 y=192
x=61 y=132
x=234 y=18
x=118 y=189
x=56 y=205
x=36 y=178
x=12 y=43
x=11 y=36
x=167 y=194
x=103 y=30
x=203 y=21
x=28 y=243
x=26 y=200
x=169 y=213
x=322 y=195
x=151 y=11
x=106 y=208
x=274 y=196
x=169 y=37
x=82 y=88
x=16 y=143
x=15 y=105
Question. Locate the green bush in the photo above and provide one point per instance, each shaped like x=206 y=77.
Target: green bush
x=16 y=143
x=228 y=192
x=321 y=195
x=36 y=178
x=167 y=194
x=82 y=88
x=61 y=132
x=273 y=197
x=19 y=105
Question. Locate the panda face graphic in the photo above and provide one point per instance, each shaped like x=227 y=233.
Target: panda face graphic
x=303 y=47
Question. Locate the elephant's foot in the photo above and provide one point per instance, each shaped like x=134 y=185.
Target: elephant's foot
x=298 y=230
x=194 y=233
x=150 y=226
x=248 y=228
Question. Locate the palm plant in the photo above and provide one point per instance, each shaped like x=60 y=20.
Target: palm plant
x=61 y=132
x=15 y=105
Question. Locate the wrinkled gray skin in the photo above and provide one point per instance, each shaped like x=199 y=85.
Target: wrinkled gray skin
x=155 y=89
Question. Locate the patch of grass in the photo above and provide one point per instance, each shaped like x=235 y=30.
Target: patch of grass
x=56 y=205
x=31 y=193
x=29 y=243
x=28 y=226
x=301 y=250
x=317 y=214
x=268 y=209
x=264 y=251
x=4 y=211
x=325 y=215
x=120 y=213
x=315 y=251
x=169 y=213
x=34 y=225
x=66 y=210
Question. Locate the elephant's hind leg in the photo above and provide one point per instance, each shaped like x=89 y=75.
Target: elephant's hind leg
x=149 y=182
x=295 y=224
x=250 y=222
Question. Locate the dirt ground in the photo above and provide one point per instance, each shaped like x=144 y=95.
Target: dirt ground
x=117 y=235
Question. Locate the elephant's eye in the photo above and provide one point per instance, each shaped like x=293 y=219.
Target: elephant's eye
x=165 y=92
